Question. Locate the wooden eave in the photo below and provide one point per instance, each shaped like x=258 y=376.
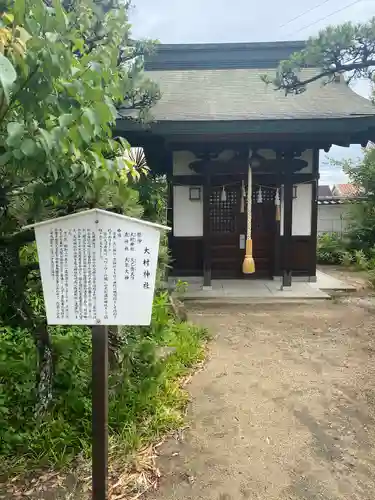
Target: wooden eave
x=356 y=127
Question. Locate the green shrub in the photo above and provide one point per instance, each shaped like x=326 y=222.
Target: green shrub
x=360 y=259
x=362 y=231
x=371 y=259
x=145 y=399
x=181 y=288
x=330 y=248
x=346 y=259
x=371 y=278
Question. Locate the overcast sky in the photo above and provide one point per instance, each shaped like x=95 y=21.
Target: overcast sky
x=204 y=21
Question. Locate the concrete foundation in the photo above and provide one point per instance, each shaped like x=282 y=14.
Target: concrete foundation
x=261 y=290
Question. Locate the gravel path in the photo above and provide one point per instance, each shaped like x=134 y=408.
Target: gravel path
x=284 y=409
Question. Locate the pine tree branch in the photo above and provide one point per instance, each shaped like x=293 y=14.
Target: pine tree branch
x=339 y=68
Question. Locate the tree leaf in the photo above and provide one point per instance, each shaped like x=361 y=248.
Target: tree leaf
x=52 y=37
x=66 y=120
x=28 y=147
x=46 y=139
x=60 y=14
x=135 y=174
x=23 y=35
x=95 y=66
x=8 y=75
x=19 y=10
x=17 y=153
x=94 y=94
x=91 y=116
x=15 y=127
x=103 y=112
x=85 y=135
x=8 y=17
x=53 y=169
x=15 y=133
x=97 y=159
x=111 y=107
x=75 y=137
x=5 y=158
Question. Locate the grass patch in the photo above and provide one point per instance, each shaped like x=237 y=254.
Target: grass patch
x=145 y=396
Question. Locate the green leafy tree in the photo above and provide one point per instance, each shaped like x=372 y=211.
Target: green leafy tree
x=66 y=71
x=361 y=173
x=348 y=48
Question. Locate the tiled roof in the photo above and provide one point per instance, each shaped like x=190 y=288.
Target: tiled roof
x=221 y=55
x=240 y=94
x=340 y=200
x=347 y=190
x=324 y=191
x=222 y=82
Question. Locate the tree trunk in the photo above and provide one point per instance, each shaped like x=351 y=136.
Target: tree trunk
x=115 y=341
x=46 y=365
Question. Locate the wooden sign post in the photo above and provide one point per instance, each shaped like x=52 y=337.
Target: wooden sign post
x=98 y=268
x=99 y=412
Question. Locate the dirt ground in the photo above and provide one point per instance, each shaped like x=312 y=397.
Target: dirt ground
x=284 y=408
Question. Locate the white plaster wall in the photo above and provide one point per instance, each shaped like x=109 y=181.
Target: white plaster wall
x=187 y=215
x=333 y=218
x=307 y=156
x=301 y=218
x=181 y=161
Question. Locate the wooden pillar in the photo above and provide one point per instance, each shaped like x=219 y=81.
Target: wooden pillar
x=170 y=189
x=287 y=237
x=206 y=232
x=99 y=412
x=277 y=248
x=314 y=213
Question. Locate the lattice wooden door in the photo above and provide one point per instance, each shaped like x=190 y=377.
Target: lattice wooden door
x=227 y=223
x=223 y=214
x=263 y=230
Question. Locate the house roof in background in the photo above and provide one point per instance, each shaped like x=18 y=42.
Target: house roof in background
x=324 y=191
x=346 y=190
x=340 y=194
x=348 y=194
x=339 y=200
